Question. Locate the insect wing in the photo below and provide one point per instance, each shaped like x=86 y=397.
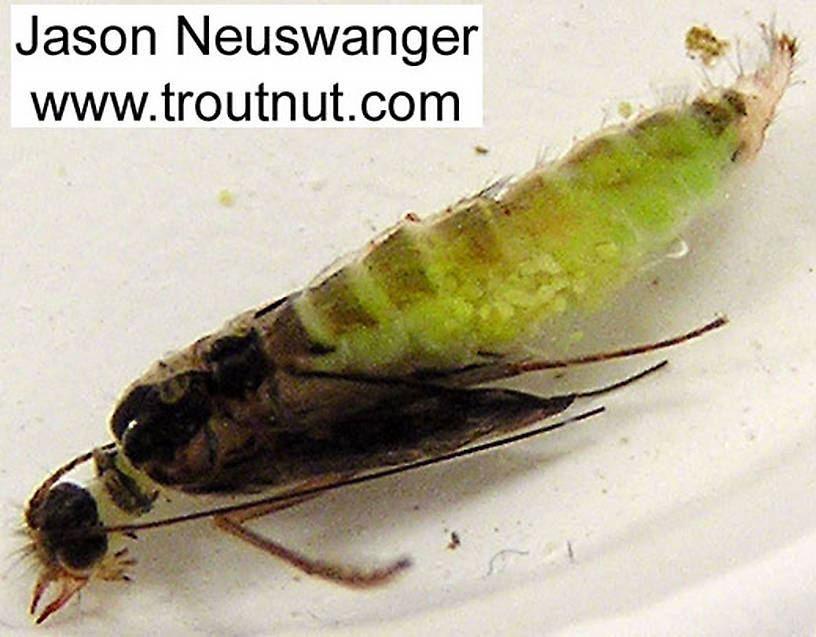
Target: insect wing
x=423 y=421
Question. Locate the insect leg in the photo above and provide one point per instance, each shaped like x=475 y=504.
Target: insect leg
x=233 y=523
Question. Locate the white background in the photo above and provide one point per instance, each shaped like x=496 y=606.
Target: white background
x=688 y=506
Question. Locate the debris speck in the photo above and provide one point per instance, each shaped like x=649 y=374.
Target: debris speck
x=226 y=198
x=481 y=150
x=703 y=44
x=501 y=559
x=455 y=541
x=625 y=109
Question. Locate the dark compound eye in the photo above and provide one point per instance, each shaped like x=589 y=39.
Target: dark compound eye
x=238 y=364
x=155 y=420
x=134 y=405
x=66 y=519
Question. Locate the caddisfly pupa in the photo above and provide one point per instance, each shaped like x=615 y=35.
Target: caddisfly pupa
x=380 y=365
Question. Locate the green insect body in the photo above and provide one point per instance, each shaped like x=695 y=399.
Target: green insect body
x=382 y=362
x=492 y=270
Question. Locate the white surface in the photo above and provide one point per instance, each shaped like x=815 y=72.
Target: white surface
x=688 y=505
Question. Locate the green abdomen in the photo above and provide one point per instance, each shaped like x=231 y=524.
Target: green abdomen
x=490 y=272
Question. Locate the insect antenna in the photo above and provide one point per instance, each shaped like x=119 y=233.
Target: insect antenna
x=307 y=492
x=522 y=367
x=496 y=371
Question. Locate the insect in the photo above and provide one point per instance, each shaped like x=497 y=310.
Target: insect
x=379 y=364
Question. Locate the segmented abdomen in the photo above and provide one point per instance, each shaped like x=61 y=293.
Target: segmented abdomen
x=489 y=272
